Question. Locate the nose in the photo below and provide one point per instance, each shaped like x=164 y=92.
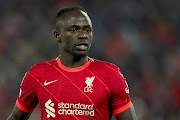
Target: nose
x=82 y=35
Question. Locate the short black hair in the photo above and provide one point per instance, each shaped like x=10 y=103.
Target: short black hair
x=67 y=9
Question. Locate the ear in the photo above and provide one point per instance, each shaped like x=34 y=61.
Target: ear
x=57 y=35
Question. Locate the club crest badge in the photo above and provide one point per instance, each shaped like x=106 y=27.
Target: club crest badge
x=89 y=81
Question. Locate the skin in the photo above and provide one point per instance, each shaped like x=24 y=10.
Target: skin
x=17 y=114
x=73 y=28
x=128 y=114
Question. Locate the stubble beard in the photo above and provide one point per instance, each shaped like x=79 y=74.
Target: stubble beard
x=79 y=56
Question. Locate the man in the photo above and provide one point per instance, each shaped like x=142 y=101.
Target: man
x=74 y=86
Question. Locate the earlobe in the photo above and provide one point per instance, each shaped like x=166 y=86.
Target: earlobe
x=57 y=35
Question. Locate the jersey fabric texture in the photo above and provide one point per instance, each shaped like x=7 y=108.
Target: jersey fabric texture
x=92 y=91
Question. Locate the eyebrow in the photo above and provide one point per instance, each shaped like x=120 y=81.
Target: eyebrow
x=85 y=26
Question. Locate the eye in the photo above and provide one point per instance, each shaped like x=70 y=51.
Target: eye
x=87 y=30
x=73 y=29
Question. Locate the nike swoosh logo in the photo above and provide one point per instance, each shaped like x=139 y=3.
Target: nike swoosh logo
x=47 y=83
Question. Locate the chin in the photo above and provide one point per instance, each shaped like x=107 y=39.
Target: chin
x=80 y=55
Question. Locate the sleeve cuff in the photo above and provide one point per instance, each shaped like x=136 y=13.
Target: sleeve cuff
x=23 y=108
x=125 y=107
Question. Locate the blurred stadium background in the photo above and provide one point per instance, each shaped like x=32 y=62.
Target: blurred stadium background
x=140 y=36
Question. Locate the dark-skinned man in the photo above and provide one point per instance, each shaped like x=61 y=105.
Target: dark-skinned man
x=74 y=86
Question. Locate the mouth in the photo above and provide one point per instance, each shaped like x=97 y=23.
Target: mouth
x=82 y=46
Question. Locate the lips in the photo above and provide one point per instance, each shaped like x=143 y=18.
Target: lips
x=82 y=46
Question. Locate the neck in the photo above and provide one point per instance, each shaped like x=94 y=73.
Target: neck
x=73 y=61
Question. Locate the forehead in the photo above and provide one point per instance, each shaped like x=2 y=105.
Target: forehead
x=75 y=17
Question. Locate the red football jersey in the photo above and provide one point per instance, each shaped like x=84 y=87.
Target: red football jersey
x=92 y=91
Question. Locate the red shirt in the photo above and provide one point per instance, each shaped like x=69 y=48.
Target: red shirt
x=91 y=91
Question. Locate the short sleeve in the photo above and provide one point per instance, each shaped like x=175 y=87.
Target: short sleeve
x=27 y=99
x=120 y=99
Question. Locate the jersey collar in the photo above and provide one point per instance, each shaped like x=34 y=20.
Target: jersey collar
x=73 y=69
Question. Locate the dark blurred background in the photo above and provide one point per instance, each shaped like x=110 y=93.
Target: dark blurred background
x=140 y=36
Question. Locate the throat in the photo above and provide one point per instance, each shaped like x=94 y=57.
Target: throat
x=74 y=61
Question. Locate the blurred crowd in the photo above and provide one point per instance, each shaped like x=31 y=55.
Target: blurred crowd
x=140 y=36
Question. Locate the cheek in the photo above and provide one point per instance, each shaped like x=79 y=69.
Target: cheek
x=90 y=39
x=68 y=44
x=66 y=39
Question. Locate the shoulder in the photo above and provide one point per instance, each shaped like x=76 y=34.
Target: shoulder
x=109 y=73
x=41 y=67
x=99 y=64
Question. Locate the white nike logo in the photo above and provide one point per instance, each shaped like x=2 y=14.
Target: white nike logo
x=47 y=83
